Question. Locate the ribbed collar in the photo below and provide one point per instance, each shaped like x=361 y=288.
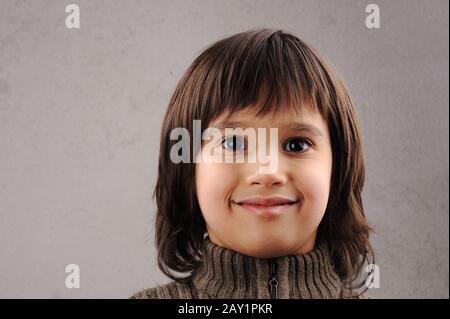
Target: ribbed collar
x=228 y=274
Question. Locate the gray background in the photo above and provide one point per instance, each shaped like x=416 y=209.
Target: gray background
x=81 y=110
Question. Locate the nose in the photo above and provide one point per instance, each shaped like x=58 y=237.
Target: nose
x=267 y=180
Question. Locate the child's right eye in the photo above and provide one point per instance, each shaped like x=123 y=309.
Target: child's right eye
x=234 y=143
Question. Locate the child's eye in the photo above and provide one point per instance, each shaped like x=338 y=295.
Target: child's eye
x=234 y=143
x=296 y=144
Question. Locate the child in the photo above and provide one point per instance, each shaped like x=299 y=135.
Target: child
x=227 y=229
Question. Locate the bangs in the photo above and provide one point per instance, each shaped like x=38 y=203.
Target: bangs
x=265 y=70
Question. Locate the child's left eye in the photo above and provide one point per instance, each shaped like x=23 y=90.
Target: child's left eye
x=296 y=144
x=234 y=143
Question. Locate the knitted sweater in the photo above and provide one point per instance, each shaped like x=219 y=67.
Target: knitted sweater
x=225 y=274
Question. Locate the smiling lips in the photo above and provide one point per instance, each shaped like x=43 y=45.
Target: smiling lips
x=269 y=206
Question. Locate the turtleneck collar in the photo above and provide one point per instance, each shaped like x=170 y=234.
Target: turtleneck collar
x=225 y=273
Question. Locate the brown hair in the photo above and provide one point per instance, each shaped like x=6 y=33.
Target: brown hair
x=269 y=66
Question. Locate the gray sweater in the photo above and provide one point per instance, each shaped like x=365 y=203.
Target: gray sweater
x=225 y=274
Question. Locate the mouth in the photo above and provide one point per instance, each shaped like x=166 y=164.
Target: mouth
x=268 y=207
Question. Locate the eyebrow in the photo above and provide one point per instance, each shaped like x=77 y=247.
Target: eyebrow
x=306 y=127
x=295 y=126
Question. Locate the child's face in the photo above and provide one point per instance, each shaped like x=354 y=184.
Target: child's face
x=303 y=174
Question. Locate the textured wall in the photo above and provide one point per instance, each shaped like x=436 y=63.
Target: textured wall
x=81 y=110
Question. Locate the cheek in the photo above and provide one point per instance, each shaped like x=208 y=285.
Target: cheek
x=214 y=184
x=314 y=184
